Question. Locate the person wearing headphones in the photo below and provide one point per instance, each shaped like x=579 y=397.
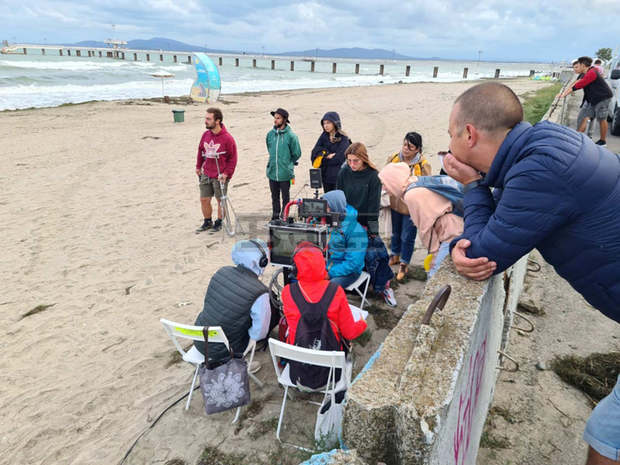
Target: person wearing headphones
x=238 y=301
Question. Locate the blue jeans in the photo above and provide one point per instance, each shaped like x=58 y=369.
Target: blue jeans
x=603 y=428
x=403 y=236
x=346 y=280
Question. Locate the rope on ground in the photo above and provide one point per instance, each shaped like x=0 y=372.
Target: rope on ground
x=153 y=424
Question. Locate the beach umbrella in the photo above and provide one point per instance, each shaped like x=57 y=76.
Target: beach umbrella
x=206 y=87
x=162 y=76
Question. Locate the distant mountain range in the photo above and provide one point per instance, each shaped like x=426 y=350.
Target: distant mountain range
x=156 y=43
x=160 y=43
x=355 y=52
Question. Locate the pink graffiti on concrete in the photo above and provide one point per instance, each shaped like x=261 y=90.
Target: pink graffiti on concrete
x=468 y=401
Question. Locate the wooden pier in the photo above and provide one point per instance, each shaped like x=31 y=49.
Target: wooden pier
x=126 y=54
x=165 y=56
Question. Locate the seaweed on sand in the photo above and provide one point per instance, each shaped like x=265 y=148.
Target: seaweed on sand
x=595 y=374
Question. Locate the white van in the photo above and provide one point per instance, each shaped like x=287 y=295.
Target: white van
x=613 y=79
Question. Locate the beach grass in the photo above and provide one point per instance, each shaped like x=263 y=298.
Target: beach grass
x=595 y=374
x=536 y=104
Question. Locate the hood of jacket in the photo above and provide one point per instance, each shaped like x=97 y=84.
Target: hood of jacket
x=247 y=254
x=333 y=117
x=507 y=155
x=310 y=265
x=336 y=200
x=395 y=178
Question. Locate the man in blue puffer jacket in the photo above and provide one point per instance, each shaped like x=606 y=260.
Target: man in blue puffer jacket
x=560 y=193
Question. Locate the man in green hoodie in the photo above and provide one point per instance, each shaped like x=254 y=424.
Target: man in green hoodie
x=284 y=151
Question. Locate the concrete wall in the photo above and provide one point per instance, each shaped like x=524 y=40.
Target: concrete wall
x=423 y=398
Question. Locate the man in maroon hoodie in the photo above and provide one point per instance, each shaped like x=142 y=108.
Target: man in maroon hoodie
x=216 y=147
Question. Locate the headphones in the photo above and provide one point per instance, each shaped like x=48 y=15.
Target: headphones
x=264 y=261
x=301 y=246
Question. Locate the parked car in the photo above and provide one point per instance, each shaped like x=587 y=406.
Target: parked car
x=613 y=79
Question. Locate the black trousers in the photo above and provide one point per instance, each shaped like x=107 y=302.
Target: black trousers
x=276 y=187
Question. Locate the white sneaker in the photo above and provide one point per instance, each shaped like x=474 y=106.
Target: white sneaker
x=389 y=297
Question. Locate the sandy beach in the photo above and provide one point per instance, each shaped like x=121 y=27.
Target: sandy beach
x=98 y=210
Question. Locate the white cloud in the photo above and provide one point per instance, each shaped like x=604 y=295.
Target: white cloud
x=553 y=30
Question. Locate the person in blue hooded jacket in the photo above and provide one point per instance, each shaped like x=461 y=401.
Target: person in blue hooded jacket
x=347 y=242
x=555 y=190
x=328 y=152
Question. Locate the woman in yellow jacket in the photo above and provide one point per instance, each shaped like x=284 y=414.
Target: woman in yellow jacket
x=403 y=229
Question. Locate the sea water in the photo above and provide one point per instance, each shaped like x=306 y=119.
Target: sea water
x=36 y=80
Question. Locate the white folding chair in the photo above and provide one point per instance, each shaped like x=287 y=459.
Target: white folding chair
x=361 y=282
x=216 y=334
x=330 y=359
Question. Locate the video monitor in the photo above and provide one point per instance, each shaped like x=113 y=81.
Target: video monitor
x=313 y=207
x=284 y=239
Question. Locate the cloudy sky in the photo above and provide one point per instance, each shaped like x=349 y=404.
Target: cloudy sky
x=502 y=29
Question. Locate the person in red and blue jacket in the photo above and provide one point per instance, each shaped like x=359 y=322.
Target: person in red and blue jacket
x=596 y=96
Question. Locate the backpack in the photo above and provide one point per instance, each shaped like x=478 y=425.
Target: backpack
x=314 y=331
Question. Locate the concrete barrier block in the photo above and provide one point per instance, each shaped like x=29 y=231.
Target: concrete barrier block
x=424 y=399
x=411 y=446
x=462 y=416
x=370 y=427
x=371 y=401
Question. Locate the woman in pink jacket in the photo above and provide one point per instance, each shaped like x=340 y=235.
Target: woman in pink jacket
x=430 y=212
